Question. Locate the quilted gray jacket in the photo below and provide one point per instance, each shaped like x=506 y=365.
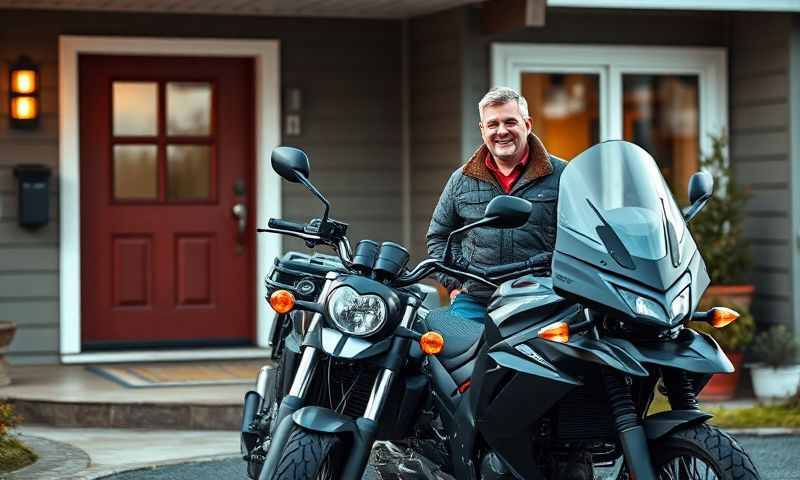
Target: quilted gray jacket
x=464 y=199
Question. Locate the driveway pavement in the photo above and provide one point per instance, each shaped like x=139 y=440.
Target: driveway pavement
x=775 y=456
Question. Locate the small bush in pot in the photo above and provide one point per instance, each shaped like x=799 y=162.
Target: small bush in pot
x=777 y=373
x=734 y=340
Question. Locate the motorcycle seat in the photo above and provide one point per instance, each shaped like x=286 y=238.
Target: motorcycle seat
x=462 y=338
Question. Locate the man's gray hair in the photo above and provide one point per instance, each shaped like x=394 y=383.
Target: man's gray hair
x=501 y=96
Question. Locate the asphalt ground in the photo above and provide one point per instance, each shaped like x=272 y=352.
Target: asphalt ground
x=777 y=458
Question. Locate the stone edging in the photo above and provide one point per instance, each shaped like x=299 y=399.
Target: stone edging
x=98 y=473
x=57 y=460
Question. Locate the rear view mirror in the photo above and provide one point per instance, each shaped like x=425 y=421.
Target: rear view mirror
x=290 y=162
x=506 y=211
x=701 y=187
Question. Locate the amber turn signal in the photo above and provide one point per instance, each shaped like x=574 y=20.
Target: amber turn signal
x=555 y=332
x=721 y=316
x=282 y=301
x=431 y=343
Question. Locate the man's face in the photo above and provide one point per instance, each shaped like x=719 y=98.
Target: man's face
x=504 y=131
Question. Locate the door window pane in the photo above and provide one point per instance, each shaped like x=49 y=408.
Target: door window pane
x=135 y=172
x=188 y=172
x=564 y=109
x=661 y=114
x=135 y=105
x=188 y=108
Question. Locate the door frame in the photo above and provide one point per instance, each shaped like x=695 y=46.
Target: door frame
x=266 y=54
x=509 y=60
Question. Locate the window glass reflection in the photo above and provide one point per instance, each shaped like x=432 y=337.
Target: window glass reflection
x=188 y=108
x=135 y=172
x=188 y=172
x=564 y=110
x=134 y=106
x=661 y=114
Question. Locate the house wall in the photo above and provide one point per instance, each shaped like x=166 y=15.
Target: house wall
x=349 y=72
x=436 y=85
x=761 y=154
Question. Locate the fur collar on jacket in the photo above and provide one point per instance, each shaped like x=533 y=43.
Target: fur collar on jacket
x=538 y=166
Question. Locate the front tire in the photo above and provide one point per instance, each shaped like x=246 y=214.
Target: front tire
x=309 y=455
x=703 y=452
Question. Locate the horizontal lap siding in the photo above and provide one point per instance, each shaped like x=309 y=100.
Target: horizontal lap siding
x=436 y=83
x=349 y=73
x=760 y=154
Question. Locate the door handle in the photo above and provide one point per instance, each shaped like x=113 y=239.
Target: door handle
x=240 y=212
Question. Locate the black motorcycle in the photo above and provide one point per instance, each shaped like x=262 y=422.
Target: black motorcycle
x=560 y=380
x=562 y=377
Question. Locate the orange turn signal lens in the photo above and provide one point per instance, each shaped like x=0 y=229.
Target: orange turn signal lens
x=555 y=332
x=282 y=301
x=431 y=343
x=721 y=316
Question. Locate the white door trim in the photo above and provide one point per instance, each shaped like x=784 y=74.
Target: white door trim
x=268 y=186
x=736 y=5
x=509 y=60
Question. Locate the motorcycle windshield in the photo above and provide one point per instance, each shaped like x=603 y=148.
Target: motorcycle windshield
x=617 y=184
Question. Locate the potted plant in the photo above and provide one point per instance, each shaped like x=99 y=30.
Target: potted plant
x=777 y=373
x=733 y=339
x=718 y=231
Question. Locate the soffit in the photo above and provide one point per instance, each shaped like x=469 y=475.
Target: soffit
x=288 y=8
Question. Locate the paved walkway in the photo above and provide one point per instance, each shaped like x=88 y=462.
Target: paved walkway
x=74 y=453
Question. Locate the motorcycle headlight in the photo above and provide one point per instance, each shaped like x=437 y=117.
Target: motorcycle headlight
x=680 y=306
x=356 y=314
x=643 y=306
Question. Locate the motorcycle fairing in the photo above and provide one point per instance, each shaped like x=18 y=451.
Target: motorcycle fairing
x=530 y=295
x=617 y=216
x=692 y=351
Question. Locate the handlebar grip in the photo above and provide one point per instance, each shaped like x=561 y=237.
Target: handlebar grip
x=286 y=225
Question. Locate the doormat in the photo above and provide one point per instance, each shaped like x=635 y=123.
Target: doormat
x=185 y=374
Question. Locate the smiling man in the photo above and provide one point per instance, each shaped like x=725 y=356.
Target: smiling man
x=511 y=161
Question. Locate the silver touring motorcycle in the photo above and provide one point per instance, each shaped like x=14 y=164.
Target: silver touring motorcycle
x=556 y=385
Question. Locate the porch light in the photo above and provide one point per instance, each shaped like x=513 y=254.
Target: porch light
x=24 y=94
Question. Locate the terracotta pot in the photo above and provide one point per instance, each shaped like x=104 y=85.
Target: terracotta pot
x=740 y=294
x=722 y=386
x=7 y=331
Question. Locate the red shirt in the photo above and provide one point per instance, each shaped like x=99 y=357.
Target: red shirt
x=507 y=181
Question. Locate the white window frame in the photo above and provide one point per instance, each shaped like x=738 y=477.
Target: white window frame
x=511 y=60
x=266 y=54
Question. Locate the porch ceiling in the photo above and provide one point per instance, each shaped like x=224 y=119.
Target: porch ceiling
x=288 y=8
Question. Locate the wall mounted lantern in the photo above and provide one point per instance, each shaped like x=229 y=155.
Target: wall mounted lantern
x=24 y=94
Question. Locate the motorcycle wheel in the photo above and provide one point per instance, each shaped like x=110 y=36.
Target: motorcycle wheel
x=309 y=456
x=700 y=452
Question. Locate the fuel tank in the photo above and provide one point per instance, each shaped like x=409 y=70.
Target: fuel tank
x=522 y=302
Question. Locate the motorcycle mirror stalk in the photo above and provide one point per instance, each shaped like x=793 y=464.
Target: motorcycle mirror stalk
x=292 y=164
x=504 y=211
x=701 y=187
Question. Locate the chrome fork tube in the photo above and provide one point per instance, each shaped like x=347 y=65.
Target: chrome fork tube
x=380 y=392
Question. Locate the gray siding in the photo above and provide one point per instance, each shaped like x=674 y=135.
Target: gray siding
x=760 y=154
x=436 y=46
x=349 y=72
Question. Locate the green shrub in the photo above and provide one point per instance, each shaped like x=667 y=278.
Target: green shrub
x=734 y=337
x=718 y=229
x=8 y=419
x=776 y=347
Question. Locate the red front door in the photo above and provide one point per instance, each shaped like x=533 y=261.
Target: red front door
x=166 y=147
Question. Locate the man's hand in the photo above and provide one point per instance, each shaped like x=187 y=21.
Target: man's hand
x=454 y=293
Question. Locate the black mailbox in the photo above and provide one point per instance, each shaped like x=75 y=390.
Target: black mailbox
x=33 y=194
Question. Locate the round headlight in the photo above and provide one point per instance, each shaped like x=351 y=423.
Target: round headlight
x=356 y=314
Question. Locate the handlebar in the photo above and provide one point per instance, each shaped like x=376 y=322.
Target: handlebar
x=286 y=225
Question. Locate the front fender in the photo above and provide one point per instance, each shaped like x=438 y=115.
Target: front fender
x=325 y=420
x=692 y=351
x=664 y=423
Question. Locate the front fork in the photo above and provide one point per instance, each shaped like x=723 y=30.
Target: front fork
x=366 y=427
x=629 y=426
